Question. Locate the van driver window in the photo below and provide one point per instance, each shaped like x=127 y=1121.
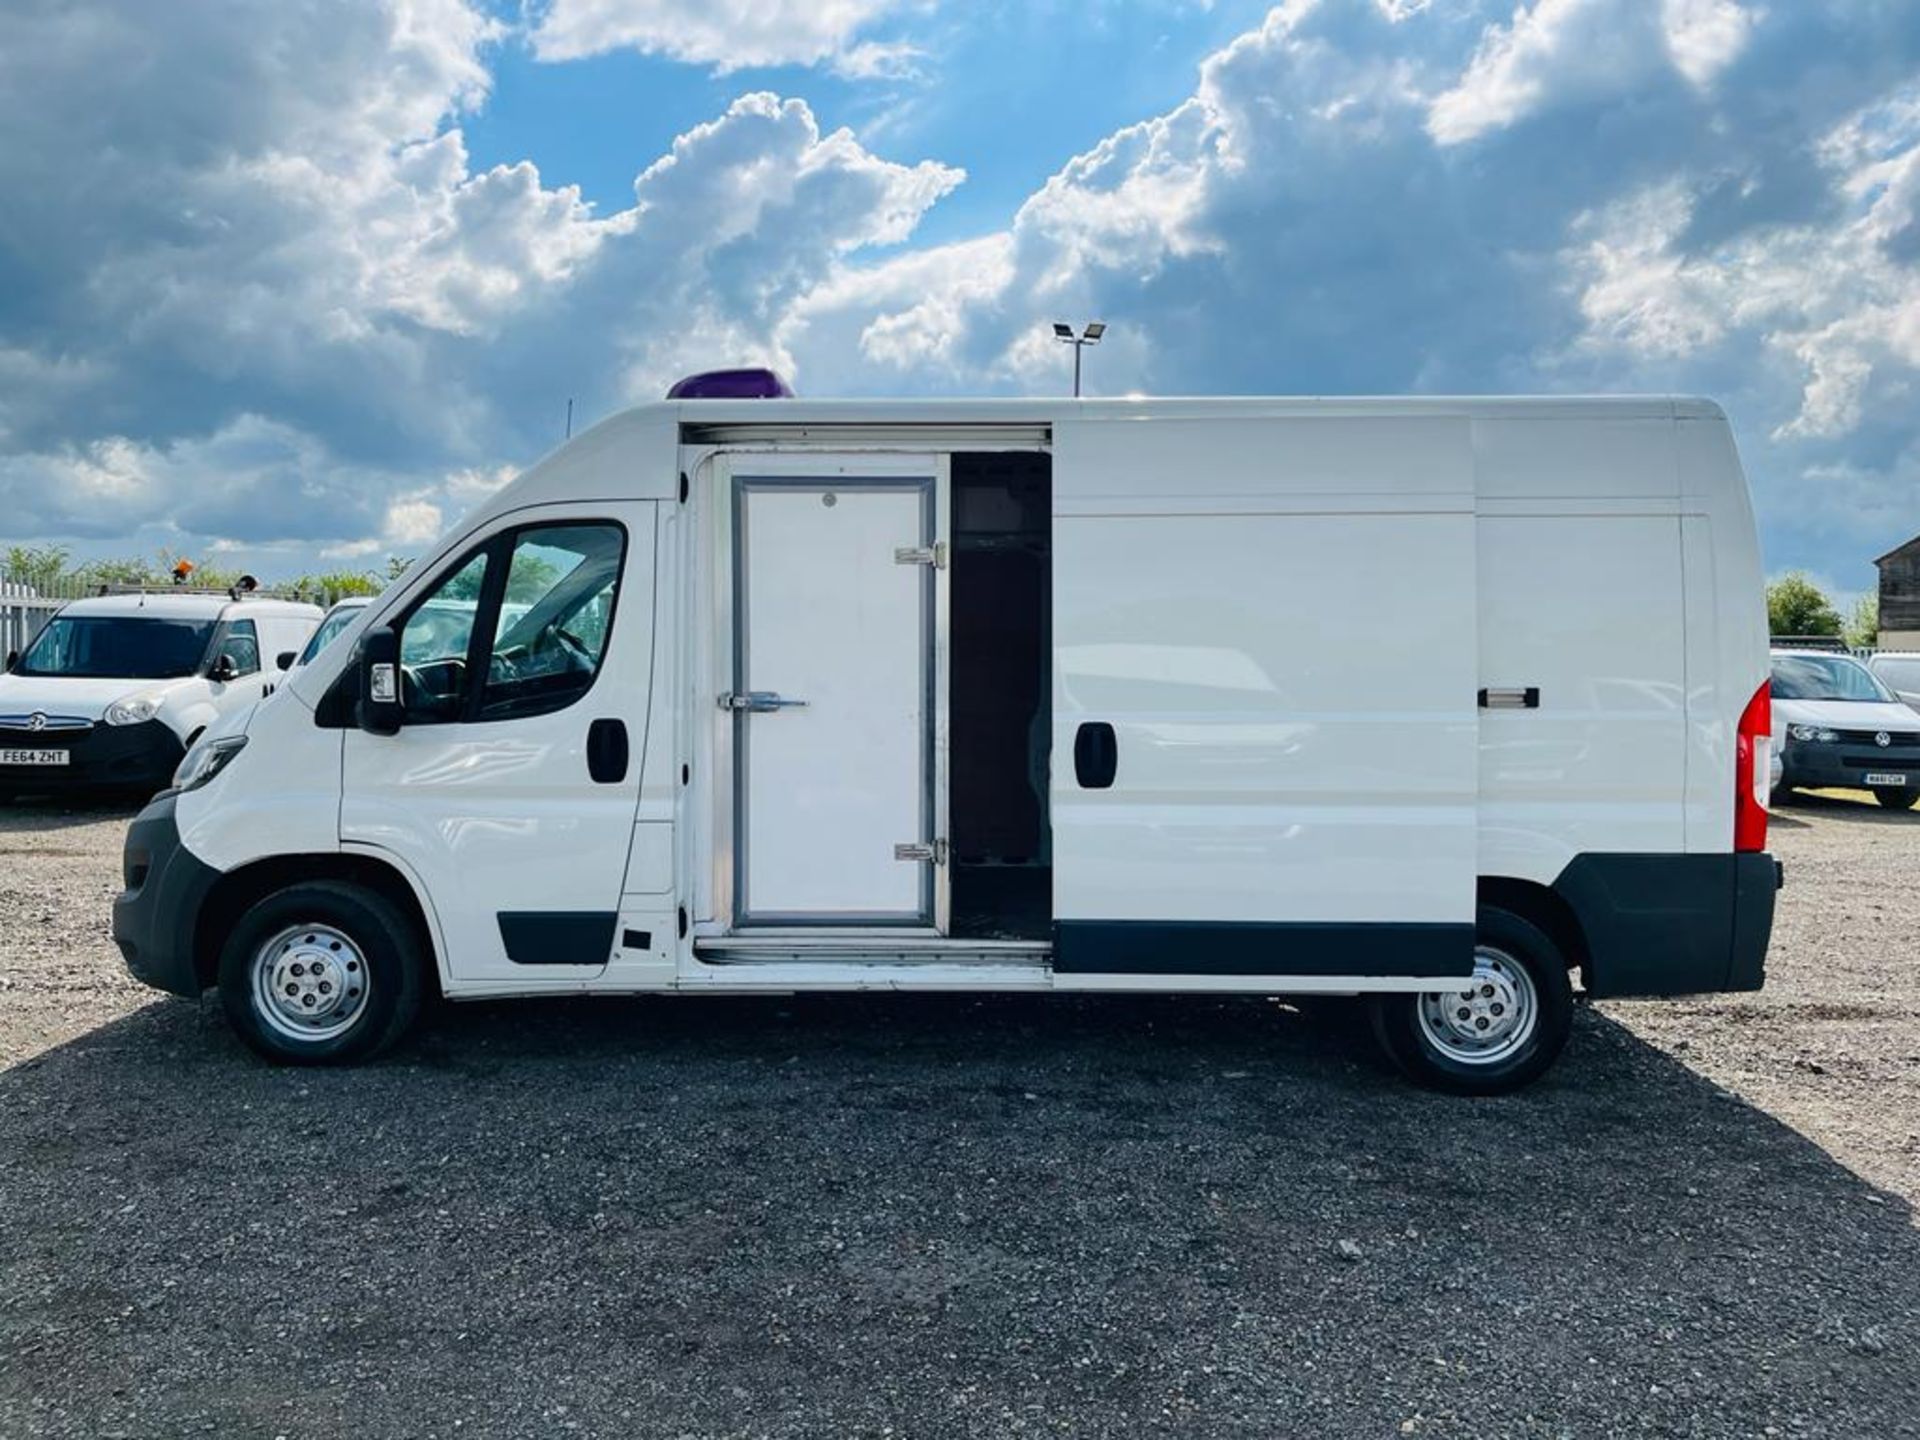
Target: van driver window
x=433 y=645
x=240 y=646
x=554 y=619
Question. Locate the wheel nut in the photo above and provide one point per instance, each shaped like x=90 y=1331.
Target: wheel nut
x=1464 y=1013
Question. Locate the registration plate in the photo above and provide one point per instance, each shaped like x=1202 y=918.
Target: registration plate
x=1899 y=780
x=35 y=757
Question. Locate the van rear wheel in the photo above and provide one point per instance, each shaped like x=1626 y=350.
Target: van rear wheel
x=322 y=974
x=1493 y=1032
x=1904 y=798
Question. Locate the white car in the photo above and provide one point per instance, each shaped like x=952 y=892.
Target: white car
x=1899 y=671
x=1836 y=723
x=116 y=688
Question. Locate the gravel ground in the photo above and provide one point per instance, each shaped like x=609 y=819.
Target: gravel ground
x=951 y=1216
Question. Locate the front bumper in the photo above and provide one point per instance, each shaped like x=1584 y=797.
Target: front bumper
x=106 y=757
x=1817 y=764
x=157 y=914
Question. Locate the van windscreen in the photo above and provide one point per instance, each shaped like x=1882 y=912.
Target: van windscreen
x=1824 y=677
x=117 y=647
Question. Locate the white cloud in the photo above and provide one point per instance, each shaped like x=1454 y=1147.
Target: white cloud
x=1556 y=52
x=301 y=243
x=1704 y=37
x=725 y=34
x=1837 y=297
x=412 y=521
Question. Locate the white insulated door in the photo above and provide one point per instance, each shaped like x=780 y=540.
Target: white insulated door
x=833 y=699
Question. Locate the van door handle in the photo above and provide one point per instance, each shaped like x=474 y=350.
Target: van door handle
x=607 y=751
x=760 y=702
x=1096 y=755
x=1516 y=697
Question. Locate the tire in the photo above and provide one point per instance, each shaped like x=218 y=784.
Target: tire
x=1904 y=798
x=345 y=952
x=1522 y=967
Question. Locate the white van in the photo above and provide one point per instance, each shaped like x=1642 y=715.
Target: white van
x=339 y=615
x=1835 y=722
x=1430 y=700
x=1899 y=671
x=115 y=688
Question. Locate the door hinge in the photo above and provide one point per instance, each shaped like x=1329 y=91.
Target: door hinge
x=922 y=852
x=934 y=555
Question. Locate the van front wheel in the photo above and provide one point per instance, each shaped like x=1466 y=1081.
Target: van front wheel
x=322 y=974
x=1494 y=1031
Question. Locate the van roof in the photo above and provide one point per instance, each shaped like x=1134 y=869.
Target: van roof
x=1170 y=407
x=160 y=605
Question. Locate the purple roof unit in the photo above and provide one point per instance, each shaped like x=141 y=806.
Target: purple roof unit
x=731 y=385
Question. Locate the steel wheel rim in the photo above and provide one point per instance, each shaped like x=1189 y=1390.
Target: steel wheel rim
x=1486 y=1021
x=310 y=983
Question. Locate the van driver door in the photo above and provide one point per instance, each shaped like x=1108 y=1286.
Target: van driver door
x=510 y=789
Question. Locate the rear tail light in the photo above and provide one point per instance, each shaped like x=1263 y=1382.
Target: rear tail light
x=1752 y=762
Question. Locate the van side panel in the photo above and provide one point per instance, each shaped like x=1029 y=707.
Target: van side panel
x=1277 y=621
x=1587 y=608
x=1727 y=660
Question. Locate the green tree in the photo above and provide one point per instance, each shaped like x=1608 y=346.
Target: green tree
x=1797 y=606
x=1863 y=621
x=36 y=565
x=331 y=585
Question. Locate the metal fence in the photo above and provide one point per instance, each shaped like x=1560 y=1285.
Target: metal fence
x=26 y=606
x=28 y=602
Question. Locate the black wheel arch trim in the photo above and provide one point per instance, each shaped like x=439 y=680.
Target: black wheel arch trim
x=1672 y=924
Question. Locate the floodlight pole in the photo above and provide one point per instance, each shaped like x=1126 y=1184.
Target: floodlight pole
x=1088 y=336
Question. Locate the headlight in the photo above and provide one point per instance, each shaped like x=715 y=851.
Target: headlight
x=206 y=760
x=134 y=710
x=1813 y=732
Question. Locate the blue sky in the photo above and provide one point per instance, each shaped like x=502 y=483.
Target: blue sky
x=296 y=284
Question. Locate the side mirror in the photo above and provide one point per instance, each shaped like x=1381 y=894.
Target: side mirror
x=222 y=669
x=379 y=661
x=13 y=659
x=284 y=660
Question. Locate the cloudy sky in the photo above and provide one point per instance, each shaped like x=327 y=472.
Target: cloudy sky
x=297 y=282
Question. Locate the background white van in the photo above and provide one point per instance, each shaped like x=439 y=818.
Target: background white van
x=1436 y=701
x=114 y=689
x=1835 y=722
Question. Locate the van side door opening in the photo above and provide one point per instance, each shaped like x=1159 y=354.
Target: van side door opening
x=1000 y=706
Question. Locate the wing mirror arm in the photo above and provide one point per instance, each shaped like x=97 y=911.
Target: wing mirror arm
x=378 y=658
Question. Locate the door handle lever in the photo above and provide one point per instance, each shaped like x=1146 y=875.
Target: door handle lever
x=759 y=702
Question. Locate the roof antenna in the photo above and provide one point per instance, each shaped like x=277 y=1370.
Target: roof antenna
x=569 y=434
